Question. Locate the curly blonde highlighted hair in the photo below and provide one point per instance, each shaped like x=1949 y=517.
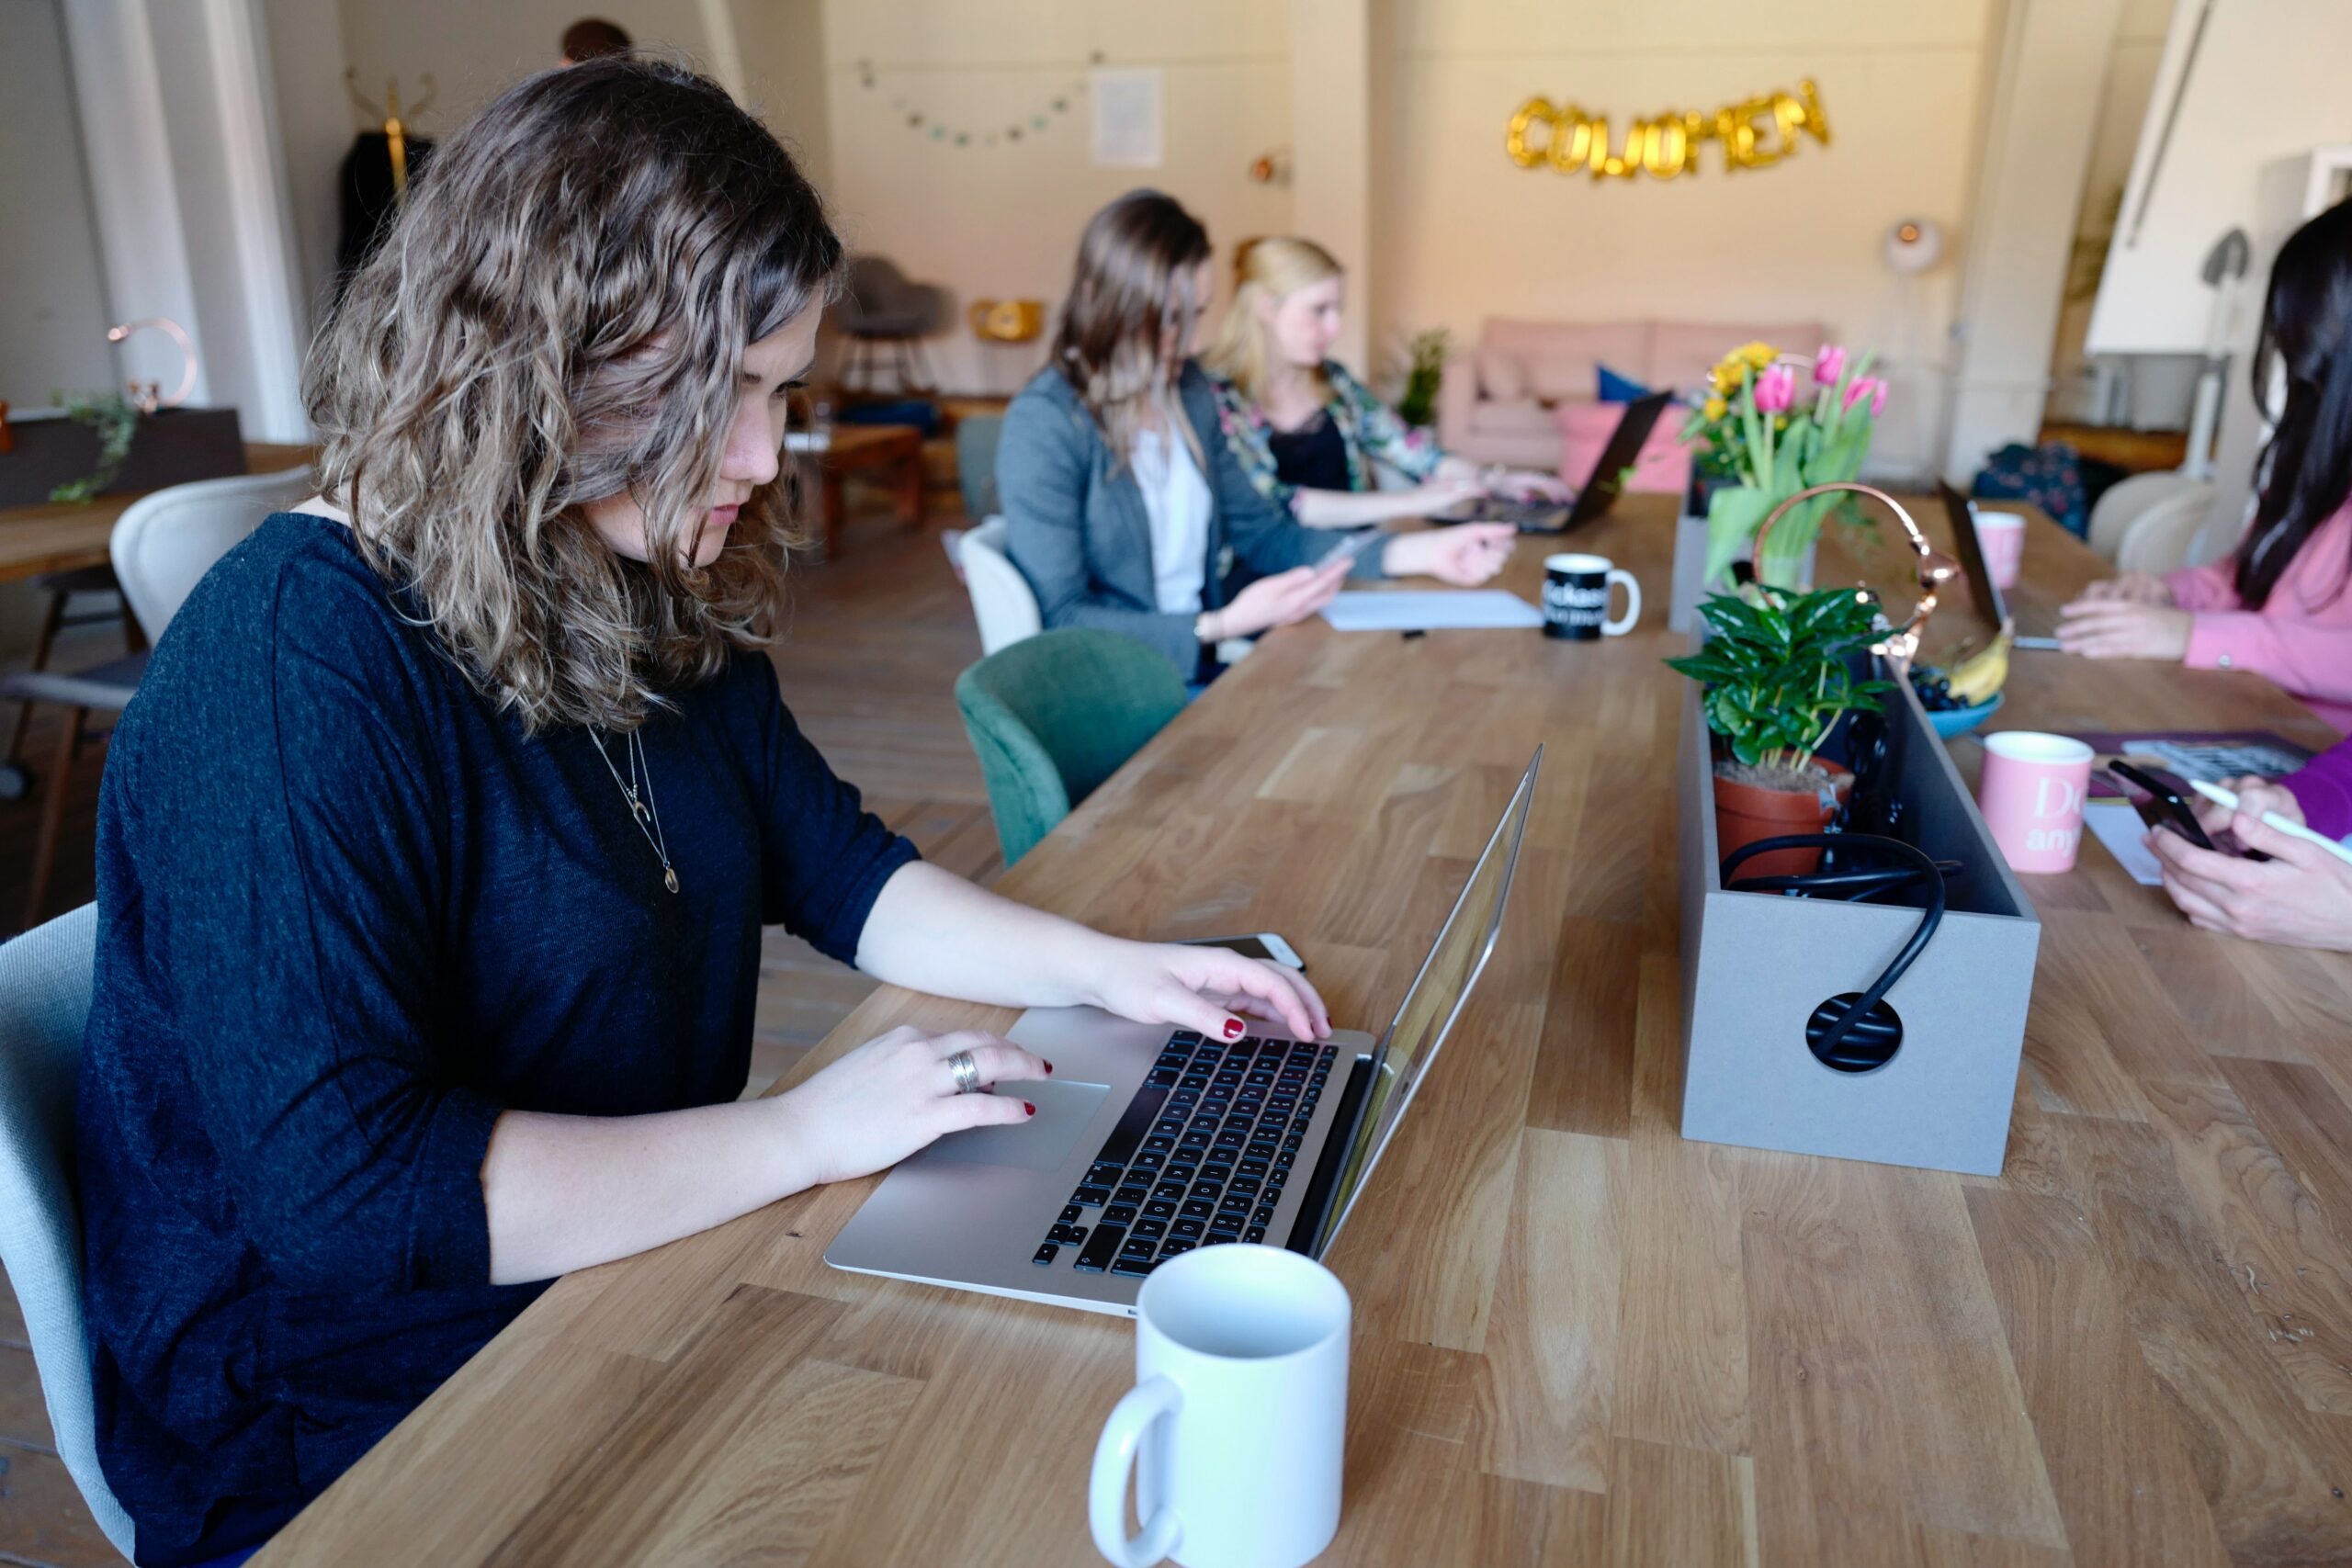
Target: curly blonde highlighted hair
x=559 y=316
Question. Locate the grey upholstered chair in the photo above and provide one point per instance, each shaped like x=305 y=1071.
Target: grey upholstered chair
x=44 y=1001
x=885 y=311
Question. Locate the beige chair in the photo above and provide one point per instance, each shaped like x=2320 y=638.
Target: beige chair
x=2125 y=503
x=1002 y=601
x=163 y=544
x=2162 y=537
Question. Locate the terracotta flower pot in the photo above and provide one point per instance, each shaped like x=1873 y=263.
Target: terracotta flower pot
x=1747 y=812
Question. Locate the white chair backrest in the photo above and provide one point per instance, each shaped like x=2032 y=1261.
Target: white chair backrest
x=167 y=541
x=2160 y=539
x=44 y=1002
x=2123 y=503
x=1002 y=601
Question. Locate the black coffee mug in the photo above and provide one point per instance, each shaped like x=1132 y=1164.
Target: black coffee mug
x=1575 y=598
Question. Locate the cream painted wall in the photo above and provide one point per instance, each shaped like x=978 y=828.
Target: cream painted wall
x=783 y=48
x=1463 y=233
x=1003 y=221
x=474 y=49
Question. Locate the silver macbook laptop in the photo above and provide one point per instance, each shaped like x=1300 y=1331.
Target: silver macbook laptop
x=1148 y=1142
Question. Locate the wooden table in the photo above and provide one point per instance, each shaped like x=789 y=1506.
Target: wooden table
x=1579 y=1338
x=55 y=536
x=855 y=448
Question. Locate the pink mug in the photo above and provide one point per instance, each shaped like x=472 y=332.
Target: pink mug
x=2031 y=794
x=2001 y=535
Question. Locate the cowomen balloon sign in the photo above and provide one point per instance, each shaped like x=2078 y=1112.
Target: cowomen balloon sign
x=1754 y=133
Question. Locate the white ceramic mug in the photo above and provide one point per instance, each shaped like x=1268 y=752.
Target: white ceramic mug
x=1237 y=1420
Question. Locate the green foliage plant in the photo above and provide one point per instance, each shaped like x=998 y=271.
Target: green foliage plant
x=116 y=419
x=1778 y=670
x=1427 y=352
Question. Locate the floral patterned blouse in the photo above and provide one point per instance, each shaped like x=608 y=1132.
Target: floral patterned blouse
x=1369 y=429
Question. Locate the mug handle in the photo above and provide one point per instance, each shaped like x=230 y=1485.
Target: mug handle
x=1633 y=604
x=1115 y=1459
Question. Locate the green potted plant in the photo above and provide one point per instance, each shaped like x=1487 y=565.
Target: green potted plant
x=1425 y=355
x=1779 y=670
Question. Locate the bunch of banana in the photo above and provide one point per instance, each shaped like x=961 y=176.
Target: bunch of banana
x=1978 y=677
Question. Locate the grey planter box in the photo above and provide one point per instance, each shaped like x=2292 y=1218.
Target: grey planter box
x=1755 y=965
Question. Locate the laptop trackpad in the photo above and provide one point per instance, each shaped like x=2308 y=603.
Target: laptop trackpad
x=1040 y=1142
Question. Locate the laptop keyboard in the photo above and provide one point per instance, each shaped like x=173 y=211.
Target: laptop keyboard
x=1200 y=1156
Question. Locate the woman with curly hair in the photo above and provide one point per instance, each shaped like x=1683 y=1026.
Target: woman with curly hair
x=434 y=854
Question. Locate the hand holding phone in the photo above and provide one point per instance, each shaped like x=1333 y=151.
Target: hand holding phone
x=1350 y=547
x=2159 y=804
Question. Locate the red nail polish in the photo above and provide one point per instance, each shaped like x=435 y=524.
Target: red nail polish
x=1233 y=1029
x=1049 y=1069
x=1029 y=1108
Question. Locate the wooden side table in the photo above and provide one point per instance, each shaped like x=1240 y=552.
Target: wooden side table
x=855 y=448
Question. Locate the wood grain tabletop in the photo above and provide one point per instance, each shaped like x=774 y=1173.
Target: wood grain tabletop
x=1578 y=1337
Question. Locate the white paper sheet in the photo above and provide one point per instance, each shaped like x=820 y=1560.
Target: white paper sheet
x=2118 y=827
x=1431 y=610
x=1129 y=122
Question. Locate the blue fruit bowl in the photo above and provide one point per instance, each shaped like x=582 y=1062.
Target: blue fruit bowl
x=1960 y=721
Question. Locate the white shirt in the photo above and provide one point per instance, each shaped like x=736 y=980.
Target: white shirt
x=1176 y=501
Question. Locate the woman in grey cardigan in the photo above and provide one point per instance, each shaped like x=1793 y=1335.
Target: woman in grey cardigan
x=1126 y=511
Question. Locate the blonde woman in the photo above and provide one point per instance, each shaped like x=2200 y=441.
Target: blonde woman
x=433 y=857
x=1305 y=432
x=1126 y=509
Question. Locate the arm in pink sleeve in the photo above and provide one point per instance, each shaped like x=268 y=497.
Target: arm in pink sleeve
x=2308 y=658
x=2323 y=789
x=2212 y=586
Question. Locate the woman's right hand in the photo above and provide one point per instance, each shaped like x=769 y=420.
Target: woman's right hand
x=2255 y=796
x=1279 y=600
x=896 y=1093
x=1442 y=494
x=2132 y=588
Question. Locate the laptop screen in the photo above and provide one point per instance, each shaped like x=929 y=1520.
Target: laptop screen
x=1434 y=1000
x=1981 y=586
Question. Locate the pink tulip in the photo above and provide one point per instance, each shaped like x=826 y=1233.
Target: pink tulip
x=1869 y=386
x=1776 y=389
x=1828 y=364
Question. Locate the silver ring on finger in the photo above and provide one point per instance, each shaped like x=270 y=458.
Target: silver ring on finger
x=966 y=1071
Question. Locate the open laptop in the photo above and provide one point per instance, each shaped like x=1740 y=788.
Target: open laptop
x=1991 y=602
x=1600 y=489
x=1148 y=1142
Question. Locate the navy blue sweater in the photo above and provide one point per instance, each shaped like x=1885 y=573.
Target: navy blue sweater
x=347 y=914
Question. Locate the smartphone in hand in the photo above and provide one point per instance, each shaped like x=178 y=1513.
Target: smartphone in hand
x=1350 y=547
x=2159 y=804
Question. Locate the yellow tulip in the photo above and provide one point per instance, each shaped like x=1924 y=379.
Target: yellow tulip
x=1761 y=354
x=1715 y=407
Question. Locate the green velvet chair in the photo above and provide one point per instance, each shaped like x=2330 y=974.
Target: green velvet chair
x=1055 y=715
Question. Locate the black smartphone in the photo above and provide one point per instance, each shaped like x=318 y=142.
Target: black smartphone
x=2159 y=804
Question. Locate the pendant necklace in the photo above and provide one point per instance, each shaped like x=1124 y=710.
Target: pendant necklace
x=642 y=811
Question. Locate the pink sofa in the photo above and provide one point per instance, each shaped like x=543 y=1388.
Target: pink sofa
x=1499 y=402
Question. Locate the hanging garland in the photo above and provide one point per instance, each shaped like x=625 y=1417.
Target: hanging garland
x=1029 y=125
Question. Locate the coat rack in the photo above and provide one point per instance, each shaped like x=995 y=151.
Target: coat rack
x=389 y=111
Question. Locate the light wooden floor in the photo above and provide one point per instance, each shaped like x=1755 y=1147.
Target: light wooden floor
x=875 y=644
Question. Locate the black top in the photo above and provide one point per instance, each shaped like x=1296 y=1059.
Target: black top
x=348 y=913
x=1313 y=456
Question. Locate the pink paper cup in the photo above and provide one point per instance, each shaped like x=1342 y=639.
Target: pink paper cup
x=2001 y=535
x=2031 y=794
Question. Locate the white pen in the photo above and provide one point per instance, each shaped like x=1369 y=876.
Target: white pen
x=2228 y=801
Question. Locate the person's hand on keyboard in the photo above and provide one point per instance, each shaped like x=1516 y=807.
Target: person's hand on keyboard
x=1202 y=988
x=898 y=1093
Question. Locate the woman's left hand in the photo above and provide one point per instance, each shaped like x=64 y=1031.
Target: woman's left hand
x=1526 y=484
x=2117 y=628
x=1203 y=987
x=1464 y=557
x=2302 y=897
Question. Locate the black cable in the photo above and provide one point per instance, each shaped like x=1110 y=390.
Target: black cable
x=1866 y=1021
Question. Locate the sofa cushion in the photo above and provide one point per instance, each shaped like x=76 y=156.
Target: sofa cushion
x=1570 y=353
x=1502 y=376
x=1561 y=378
x=1525 y=417
x=1682 y=353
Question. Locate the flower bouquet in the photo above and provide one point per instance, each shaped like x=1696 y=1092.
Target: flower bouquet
x=1755 y=437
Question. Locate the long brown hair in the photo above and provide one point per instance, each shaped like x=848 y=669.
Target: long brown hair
x=1130 y=296
x=1271 y=268
x=2305 y=470
x=558 y=316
